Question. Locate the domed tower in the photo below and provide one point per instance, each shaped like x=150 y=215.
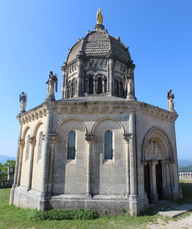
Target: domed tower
x=98 y=64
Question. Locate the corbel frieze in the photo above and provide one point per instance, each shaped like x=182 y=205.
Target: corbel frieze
x=156 y=114
x=110 y=109
x=90 y=109
x=79 y=109
x=121 y=110
x=100 y=109
x=35 y=115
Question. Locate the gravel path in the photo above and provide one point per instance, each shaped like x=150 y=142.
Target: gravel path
x=179 y=224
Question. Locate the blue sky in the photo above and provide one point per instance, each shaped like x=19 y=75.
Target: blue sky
x=36 y=35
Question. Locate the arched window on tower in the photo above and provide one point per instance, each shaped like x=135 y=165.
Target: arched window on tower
x=71 y=146
x=117 y=87
x=72 y=89
x=91 y=85
x=99 y=85
x=108 y=145
x=105 y=85
x=40 y=146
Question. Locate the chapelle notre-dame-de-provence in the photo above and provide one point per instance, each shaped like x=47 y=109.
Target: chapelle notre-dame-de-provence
x=97 y=147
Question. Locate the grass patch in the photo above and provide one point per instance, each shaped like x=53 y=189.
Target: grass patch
x=13 y=217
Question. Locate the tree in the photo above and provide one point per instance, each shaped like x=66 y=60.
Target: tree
x=4 y=167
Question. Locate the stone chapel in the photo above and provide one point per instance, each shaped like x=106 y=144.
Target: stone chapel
x=97 y=147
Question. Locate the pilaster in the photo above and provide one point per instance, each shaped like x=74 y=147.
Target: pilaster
x=21 y=145
x=111 y=74
x=18 y=154
x=32 y=141
x=89 y=139
x=126 y=137
x=45 y=174
x=64 y=76
x=133 y=199
x=52 y=140
x=79 y=73
x=18 y=161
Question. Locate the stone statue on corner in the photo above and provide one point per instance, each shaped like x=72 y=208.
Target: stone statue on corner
x=170 y=102
x=50 y=88
x=128 y=85
x=23 y=101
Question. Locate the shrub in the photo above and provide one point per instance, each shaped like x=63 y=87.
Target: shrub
x=60 y=214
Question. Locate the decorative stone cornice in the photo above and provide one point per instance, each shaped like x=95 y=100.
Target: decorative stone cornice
x=127 y=136
x=89 y=137
x=156 y=112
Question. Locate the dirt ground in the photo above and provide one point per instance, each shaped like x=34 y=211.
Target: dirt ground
x=179 y=224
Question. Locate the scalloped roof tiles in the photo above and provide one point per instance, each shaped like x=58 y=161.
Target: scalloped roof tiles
x=99 y=43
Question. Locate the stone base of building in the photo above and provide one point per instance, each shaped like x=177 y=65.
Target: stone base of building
x=102 y=204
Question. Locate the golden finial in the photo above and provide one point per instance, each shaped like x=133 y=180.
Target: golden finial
x=99 y=17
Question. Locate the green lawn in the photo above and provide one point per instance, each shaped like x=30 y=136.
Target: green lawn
x=12 y=217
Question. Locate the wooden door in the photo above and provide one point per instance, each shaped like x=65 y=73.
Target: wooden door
x=159 y=181
x=147 y=181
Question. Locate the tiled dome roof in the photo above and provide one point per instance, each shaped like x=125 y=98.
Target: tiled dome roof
x=99 y=44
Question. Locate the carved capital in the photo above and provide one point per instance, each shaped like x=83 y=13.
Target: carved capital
x=21 y=142
x=154 y=162
x=144 y=162
x=172 y=160
x=32 y=140
x=89 y=137
x=52 y=137
x=127 y=137
x=162 y=162
x=43 y=137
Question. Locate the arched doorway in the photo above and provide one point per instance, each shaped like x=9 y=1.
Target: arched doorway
x=158 y=169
